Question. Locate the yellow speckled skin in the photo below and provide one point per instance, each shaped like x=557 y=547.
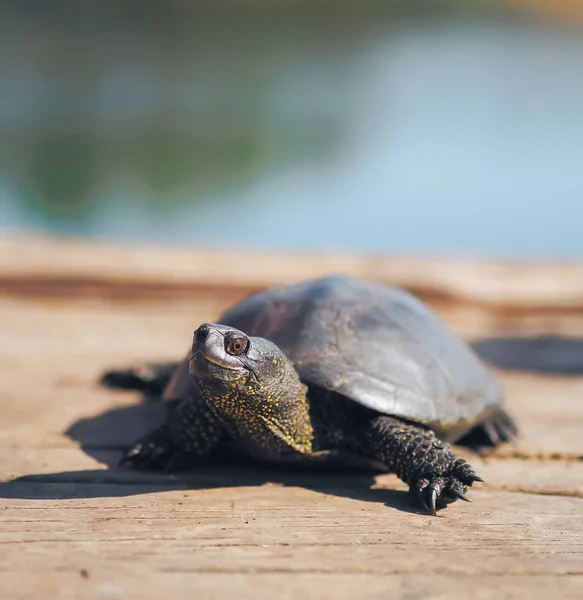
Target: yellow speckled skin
x=257 y=395
x=267 y=422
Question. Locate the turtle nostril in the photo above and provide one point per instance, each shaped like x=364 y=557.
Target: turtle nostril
x=202 y=333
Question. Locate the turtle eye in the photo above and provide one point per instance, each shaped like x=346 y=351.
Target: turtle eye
x=236 y=345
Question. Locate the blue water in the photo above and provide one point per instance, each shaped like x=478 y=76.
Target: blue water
x=450 y=137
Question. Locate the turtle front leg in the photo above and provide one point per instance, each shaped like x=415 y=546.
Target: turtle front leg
x=431 y=469
x=190 y=435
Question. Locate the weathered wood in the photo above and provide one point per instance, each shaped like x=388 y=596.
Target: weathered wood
x=129 y=539
x=179 y=583
x=39 y=263
x=71 y=527
x=270 y=529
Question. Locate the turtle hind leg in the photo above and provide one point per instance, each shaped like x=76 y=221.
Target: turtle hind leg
x=435 y=475
x=148 y=378
x=498 y=429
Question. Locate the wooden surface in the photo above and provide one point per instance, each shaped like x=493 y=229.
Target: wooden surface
x=73 y=526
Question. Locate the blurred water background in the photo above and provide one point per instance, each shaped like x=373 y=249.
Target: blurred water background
x=449 y=128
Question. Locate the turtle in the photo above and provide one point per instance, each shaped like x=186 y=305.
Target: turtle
x=328 y=369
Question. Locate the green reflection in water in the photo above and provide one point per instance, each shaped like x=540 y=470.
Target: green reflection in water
x=252 y=120
x=65 y=175
x=61 y=173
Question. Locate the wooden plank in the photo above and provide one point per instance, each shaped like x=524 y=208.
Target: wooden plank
x=73 y=527
x=262 y=527
x=42 y=263
x=132 y=540
x=103 y=582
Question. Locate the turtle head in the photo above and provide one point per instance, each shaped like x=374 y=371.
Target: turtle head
x=223 y=356
x=251 y=386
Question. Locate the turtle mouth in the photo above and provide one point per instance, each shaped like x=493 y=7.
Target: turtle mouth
x=200 y=356
x=210 y=362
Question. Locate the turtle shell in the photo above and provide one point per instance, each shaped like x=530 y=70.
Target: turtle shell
x=377 y=345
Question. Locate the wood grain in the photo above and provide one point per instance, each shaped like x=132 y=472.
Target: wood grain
x=73 y=526
x=33 y=262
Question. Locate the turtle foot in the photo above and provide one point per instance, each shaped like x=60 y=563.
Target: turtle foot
x=154 y=452
x=435 y=493
x=500 y=428
x=148 y=378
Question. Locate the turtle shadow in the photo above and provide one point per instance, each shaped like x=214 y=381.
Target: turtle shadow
x=105 y=436
x=117 y=484
x=544 y=354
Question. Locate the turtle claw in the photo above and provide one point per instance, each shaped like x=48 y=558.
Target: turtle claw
x=127 y=458
x=436 y=493
x=420 y=492
x=427 y=494
x=432 y=501
x=455 y=492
